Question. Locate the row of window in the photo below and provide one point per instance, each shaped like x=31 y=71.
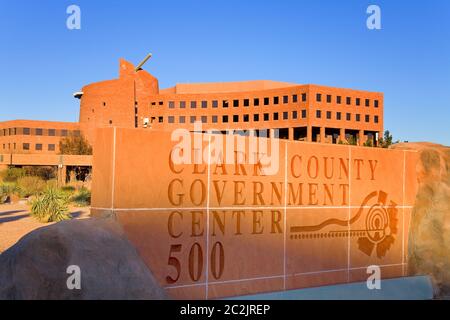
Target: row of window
x=348 y=116
x=38 y=132
x=234 y=102
x=348 y=100
x=257 y=117
x=26 y=146
x=264 y=101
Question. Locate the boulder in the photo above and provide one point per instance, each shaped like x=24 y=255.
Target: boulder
x=110 y=268
x=429 y=237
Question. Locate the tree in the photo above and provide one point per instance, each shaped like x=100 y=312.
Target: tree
x=75 y=145
x=386 y=141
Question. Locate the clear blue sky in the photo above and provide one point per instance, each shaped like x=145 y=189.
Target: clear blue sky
x=322 y=42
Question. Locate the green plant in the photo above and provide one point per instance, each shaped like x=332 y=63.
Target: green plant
x=7 y=189
x=368 y=143
x=82 y=198
x=12 y=174
x=30 y=186
x=43 y=172
x=352 y=141
x=51 y=206
x=386 y=141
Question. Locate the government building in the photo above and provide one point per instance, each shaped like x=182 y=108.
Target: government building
x=310 y=113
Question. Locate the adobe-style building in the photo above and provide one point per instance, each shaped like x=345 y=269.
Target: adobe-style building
x=134 y=100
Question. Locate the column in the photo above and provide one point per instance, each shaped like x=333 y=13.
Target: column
x=361 y=137
x=342 y=135
x=62 y=170
x=309 y=133
x=291 y=133
x=322 y=135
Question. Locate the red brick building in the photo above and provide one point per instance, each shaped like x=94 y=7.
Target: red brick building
x=134 y=100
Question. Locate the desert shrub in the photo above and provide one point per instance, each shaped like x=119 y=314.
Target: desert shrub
x=51 y=206
x=43 y=172
x=68 y=189
x=7 y=189
x=82 y=198
x=30 y=186
x=12 y=174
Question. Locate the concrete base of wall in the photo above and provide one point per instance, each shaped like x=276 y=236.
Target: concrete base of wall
x=406 y=288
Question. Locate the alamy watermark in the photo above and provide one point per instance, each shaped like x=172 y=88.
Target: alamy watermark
x=74 y=280
x=373 y=22
x=237 y=147
x=73 y=21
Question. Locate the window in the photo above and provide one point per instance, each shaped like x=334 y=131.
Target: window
x=367 y=103
x=225 y=104
x=246 y=102
x=328 y=114
x=266 y=101
x=160 y=119
x=256 y=102
x=182 y=104
x=153 y=103
x=348 y=116
x=215 y=104
x=161 y=103
x=276 y=100
x=171 y=104
x=235 y=118
x=348 y=100
x=246 y=118
x=214 y=119
x=318 y=97
x=204 y=119
x=171 y=119
x=204 y=104
x=285 y=99
x=256 y=117
x=358 y=117
x=266 y=117
x=294 y=98
x=51 y=147
x=338 y=99
x=193 y=104
x=294 y=114
x=285 y=115
x=367 y=118
x=304 y=97
x=338 y=116
x=329 y=98
x=26 y=131
x=358 y=101
x=235 y=103
x=104 y=104
x=375 y=103
x=26 y=146
x=110 y=121
x=192 y=119
x=304 y=113
x=64 y=133
x=182 y=119
x=318 y=114
x=225 y=119
x=52 y=132
x=275 y=116
x=375 y=119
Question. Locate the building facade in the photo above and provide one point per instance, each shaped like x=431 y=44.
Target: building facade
x=134 y=100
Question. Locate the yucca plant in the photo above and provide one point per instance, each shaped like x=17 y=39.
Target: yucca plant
x=51 y=206
x=82 y=198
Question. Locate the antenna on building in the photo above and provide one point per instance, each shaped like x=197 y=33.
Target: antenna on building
x=139 y=66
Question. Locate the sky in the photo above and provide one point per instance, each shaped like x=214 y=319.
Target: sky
x=322 y=42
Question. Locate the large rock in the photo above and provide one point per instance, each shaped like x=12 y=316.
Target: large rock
x=429 y=237
x=36 y=267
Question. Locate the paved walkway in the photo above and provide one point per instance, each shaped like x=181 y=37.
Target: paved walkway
x=15 y=222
